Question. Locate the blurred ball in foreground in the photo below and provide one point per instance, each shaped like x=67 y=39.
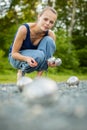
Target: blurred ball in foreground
x=73 y=81
x=40 y=88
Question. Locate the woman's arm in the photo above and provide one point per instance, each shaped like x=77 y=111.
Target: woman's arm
x=20 y=37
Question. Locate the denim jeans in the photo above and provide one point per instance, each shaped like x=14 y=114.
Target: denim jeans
x=44 y=51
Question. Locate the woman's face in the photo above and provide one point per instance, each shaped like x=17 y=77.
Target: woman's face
x=47 y=20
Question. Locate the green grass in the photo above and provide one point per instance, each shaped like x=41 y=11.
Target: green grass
x=9 y=76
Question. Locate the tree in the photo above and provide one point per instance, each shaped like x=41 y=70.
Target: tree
x=73 y=18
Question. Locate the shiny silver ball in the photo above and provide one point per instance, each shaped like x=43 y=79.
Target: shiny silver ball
x=58 y=62
x=40 y=87
x=54 y=60
x=51 y=60
x=73 y=81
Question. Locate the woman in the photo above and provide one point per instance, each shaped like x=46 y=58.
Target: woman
x=34 y=44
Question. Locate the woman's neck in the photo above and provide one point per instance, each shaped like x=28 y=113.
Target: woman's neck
x=34 y=28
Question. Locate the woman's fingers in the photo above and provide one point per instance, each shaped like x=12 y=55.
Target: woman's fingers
x=32 y=62
x=51 y=64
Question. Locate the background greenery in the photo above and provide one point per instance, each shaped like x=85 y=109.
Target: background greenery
x=70 y=29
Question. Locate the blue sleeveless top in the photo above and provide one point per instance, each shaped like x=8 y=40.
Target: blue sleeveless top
x=27 y=44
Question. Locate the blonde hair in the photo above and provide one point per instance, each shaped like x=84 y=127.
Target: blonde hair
x=48 y=8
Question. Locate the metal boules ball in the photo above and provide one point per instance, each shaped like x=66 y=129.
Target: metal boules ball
x=22 y=82
x=58 y=61
x=54 y=60
x=41 y=88
x=73 y=81
x=51 y=60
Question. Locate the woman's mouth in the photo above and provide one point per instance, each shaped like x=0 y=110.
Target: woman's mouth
x=46 y=28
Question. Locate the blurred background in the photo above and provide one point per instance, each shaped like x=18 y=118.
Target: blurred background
x=70 y=29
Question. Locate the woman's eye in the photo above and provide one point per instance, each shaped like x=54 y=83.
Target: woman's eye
x=45 y=19
x=51 y=22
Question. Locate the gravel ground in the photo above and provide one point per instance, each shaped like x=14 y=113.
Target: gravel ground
x=68 y=110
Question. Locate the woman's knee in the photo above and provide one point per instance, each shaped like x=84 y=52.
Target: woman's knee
x=50 y=42
x=47 y=43
x=41 y=57
x=49 y=39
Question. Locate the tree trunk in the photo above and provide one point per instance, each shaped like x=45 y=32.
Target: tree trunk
x=72 y=19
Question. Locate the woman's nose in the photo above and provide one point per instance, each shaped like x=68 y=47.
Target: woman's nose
x=47 y=22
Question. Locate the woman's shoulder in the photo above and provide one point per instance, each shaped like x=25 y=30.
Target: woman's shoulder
x=22 y=30
x=52 y=34
x=30 y=24
x=24 y=25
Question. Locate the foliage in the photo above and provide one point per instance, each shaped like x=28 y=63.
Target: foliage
x=66 y=50
x=80 y=43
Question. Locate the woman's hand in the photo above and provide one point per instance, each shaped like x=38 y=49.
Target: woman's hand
x=31 y=62
x=51 y=64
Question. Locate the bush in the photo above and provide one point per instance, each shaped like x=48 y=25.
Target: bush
x=66 y=51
